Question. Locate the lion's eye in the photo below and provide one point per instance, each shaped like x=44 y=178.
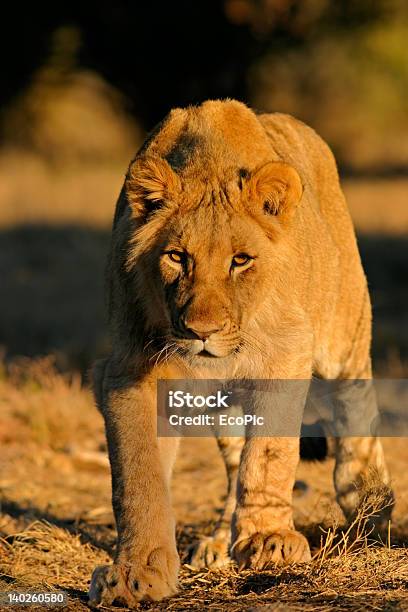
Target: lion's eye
x=241 y=260
x=176 y=256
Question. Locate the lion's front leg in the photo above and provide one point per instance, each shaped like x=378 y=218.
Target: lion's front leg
x=146 y=561
x=263 y=531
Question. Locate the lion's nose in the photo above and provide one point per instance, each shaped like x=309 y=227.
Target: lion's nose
x=202 y=329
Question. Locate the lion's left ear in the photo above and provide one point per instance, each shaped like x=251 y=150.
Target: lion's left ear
x=275 y=189
x=150 y=185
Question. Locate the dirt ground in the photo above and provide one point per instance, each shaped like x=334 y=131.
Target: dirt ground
x=56 y=522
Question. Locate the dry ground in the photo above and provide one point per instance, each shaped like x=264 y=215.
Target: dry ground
x=56 y=522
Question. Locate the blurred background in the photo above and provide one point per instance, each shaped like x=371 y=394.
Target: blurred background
x=83 y=82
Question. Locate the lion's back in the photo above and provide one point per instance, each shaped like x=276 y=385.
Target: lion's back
x=335 y=292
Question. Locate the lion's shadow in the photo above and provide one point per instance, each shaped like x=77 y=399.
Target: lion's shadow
x=52 y=293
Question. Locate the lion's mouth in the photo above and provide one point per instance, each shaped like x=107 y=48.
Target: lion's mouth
x=209 y=349
x=206 y=354
x=214 y=352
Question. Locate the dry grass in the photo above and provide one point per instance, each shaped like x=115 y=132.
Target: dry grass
x=56 y=522
x=49 y=409
x=49 y=555
x=360 y=534
x=51 y=558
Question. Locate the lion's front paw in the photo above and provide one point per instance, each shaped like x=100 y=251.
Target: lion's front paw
x=128 y=584
x=210 y=552
x=262 y=551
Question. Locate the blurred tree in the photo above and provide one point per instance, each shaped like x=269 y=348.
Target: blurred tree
x=302 y=18
x=166 y=53
x=276 y=54
x=160 y=54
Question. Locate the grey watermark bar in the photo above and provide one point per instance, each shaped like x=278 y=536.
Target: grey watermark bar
x=282 y=408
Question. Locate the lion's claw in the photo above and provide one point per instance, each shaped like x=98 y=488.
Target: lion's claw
x=262 y=551
x=210 y=552
x=128 y=584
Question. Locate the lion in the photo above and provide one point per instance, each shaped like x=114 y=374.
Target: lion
x=233 y=255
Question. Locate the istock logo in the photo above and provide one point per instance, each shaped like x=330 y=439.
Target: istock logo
x=180 y=399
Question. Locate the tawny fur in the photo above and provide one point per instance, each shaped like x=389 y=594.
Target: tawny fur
x=214 y=181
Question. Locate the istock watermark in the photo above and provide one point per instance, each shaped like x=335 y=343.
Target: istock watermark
x=282 y=408
x=180 y=399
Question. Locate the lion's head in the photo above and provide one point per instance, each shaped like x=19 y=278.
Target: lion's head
x=209 y=203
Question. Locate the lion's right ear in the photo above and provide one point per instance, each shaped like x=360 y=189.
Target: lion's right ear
x=150 y=185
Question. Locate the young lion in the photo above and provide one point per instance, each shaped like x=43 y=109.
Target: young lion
x=233 y=256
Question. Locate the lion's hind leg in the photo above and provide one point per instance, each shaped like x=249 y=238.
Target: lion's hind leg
x=361 y=476
x=213 y=551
